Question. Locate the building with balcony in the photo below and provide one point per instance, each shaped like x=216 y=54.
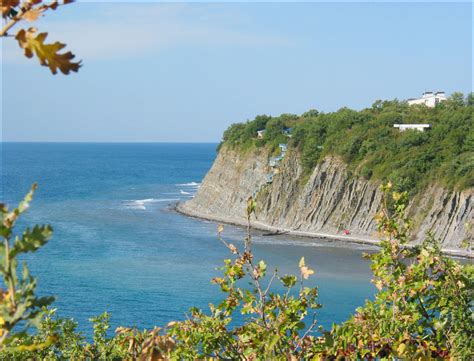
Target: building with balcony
x=430 y=99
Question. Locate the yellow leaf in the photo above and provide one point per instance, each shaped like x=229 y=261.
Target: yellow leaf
x=306 y=272
x=401 y=349
x=301 y=264
x=251 y=205
x=47 y=53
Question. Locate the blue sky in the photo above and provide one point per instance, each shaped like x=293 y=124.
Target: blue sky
x=186 y=71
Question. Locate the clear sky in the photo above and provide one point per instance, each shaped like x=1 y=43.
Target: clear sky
x=186 y=71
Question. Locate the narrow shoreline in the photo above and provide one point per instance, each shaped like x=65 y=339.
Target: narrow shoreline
x=180 y=208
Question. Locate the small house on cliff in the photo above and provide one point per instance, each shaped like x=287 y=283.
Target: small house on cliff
x=429 y=99
x=419 y=127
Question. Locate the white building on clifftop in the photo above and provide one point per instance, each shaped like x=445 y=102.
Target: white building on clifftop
x=419 y=127
x=429 y=99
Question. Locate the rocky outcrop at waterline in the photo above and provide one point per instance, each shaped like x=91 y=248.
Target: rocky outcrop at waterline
x=329 y=201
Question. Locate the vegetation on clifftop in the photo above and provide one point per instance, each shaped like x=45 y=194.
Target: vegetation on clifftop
x=368 y=143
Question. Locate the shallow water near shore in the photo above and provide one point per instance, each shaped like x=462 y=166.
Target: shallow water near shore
x=118 y=247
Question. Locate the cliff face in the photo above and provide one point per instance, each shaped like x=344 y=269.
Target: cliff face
x=329 y=202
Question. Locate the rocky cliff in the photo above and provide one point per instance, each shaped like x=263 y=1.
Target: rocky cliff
x=324 y=205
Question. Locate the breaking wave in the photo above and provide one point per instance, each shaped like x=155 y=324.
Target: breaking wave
x=140 y=204
x=190 y=184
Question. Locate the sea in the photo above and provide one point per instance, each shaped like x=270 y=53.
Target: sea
x=118 y=245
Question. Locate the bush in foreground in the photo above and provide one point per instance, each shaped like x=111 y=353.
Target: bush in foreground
x=422 y=310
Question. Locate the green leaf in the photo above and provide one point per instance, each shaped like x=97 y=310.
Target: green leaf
x=288 y=280
x=273 y=342
x=31 y=240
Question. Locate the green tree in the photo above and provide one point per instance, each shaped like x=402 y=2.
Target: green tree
x=456 y=100
x=470 y=99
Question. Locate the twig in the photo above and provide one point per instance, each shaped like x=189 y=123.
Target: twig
x=310 y=328
x=26 y=6
x=271 y=281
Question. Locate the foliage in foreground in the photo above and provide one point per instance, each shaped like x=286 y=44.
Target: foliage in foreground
x=32 y=42
x=422 y=310
x=371 y=147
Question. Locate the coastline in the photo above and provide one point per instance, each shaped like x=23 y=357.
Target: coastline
x=181 y=208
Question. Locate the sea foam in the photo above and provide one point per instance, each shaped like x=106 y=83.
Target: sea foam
x=190 y=184
x=139 y=204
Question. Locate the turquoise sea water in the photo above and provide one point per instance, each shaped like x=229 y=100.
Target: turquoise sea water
x=117 y=247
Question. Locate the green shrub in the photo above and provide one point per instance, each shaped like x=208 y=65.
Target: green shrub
x=422 y=310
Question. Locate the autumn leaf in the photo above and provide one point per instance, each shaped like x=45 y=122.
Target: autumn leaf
x=401 y=349
x=31 y=15
x=305 y=270
x=233 y=248
x=301 y=264
x=378 y=284
x=48 y=54
x=251 y=206
x=7 y=5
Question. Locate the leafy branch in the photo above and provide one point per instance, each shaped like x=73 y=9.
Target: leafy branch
x=422 y=309
x=18 y=303
x=15 y=11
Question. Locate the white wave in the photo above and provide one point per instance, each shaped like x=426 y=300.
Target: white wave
x=185 y=193
x=190 y=184
x=135 y=205
x=139 y=204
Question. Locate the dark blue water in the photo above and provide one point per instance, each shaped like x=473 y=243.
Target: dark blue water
x=117 y=247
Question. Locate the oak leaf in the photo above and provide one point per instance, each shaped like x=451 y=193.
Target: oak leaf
x=48 y=54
